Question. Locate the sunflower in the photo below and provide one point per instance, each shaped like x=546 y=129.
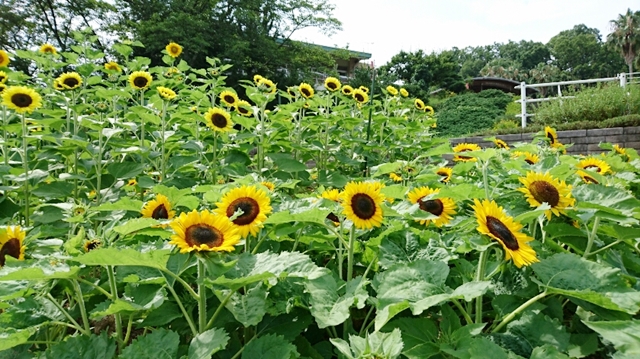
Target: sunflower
x=360 y=96
x=292 y=91
x=166 y=93
x=257 y=78
x=500 y=143
x=306 y=90
x=254 y=204
x=158 y=208
x=270 y=185
x=595 y=164
x=21 y=99
x=229 y=98
x=173 y=49
x=445 y=172
x=392 y=90
x=58 y=86
x=493 y=222
x=3 y=77
x=4 y=59
x=464 y=147
x=112 y=66
x=204 y=231
x=586 y=177
x=361 y=204
x=331 y=194
x=332 y=84
x=419 y=104
x=443 y=208
x=132 y=182
x=2 y=88
x=91 y=245
x=140 y=80
x=218 y=120
x=70 y=80
x=243 y=107
x=266 y=85
x=622 y=152
x=429 y=110
x=394 y=177
x=48 y=49
x=530 y=158
x=539 y=188
x=551 y=134
x=347 y=90
x=364 y=89
x=404 y=92
x=11 y=243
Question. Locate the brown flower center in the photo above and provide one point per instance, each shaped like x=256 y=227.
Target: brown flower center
x=346 y=91
x=230 y=99
x=551 y=138
x=598 y=169
x=140 y=81
x=333 y=218
x=21 y=100
x=433 y=206
x=2 y=77
x=363 y=206
x=332 y=85
x=160 y=212
x=71 y=82
x=359 y=97
x=11 y=248
x=200 y=234
x=589 y=179
x=219 y=120
x=544 y=191
x=243 y=110
x=498 y=229
x=249 y=207
x=175 y=49
x=92 y=245
x=305 y=92
x=529 y=161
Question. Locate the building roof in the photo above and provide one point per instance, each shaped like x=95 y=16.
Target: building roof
x=478 y=84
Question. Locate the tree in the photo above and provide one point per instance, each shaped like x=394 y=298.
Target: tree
x=626 y=36
x=528 y=54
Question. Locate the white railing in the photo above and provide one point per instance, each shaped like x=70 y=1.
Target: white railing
x=623 y=78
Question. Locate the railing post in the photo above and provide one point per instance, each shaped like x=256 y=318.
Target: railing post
x=623 y=79
x=523 y=103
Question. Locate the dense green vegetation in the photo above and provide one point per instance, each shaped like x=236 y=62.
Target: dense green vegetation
x=470 y=112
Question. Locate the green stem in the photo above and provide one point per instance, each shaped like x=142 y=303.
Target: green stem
x=114 y=296
x=129 y=325
x=163 y=160
x=66 y=314
x=186 y=314
x=591 y=238
x=25 y=167
x=350 y=250
x=485 y=179
x=480 y=277
x=96 y=287
x=518 y=310
x=236 y=355
x=186 y=285
x=202 y=294
x=340 y=258
x=465 y=314
x=215 y=158
x=99 y=162
x=83 y=309
x=366 y=318
x=219 y=310
x=5 y=138
x=606 y=247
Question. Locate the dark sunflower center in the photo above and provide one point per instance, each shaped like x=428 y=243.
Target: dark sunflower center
x=160 y=212
x=229 y=99
x=544 y=191
x=529 y=161
x=203 y=234
x=433 y=206
x=11 y=248
x=589 y=179
x=501 y=145
x=219 y=120
x=71 y=82
x=347 y=92
x=363 y=206
x=332 y=85
x=551 y=138
x=174 y=49
x=249 y=207
x=243 y=110
x=21 y=100
x=140 y=81
x=305 y=91
x=498 y=229
x=597 y=168
x=92 y=245
x=359 y=97
x=1 y=76
x=333 y=218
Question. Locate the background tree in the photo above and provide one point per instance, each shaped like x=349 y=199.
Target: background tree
x=626 y=36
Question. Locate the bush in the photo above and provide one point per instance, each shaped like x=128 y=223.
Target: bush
x=597 y=104
x=471 y=112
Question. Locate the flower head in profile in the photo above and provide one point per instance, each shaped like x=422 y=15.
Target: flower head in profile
x=248 y=205
x=360 y=96
x=442 y=208
x=306 y=90
x=21 y=99
x=530 y=158
x=552 y=136
x=347 y=90
x=429 y=110
x=3 y=77
x=270 y=185
x=543 y=188
x=204 y=232
x=587 y=177
x=495 y=223
x=140 y=80
x=244 y=108
x=445 y=173
x=91 y=245
x=594 y=164
x=500 y=143
x=48 y=49
x=257 y=78
x=218 y=119
x=70 y=80
x=361 y=203
x=419 y=104
x=112 y=66
x=619 y=150
x=331 y=194
x=166 y=93
x=364 y=89
x=4 y=59
x=332 y=84
x=394 y=177
x=465 y=147
x=158 y=208
x=12 y=244
x=404 y=92
x=266 y=85
x=174 y=50
x=392 y=90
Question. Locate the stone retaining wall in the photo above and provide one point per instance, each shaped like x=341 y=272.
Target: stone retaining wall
x=585 y=142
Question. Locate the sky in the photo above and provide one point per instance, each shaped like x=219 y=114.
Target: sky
x=383 y=28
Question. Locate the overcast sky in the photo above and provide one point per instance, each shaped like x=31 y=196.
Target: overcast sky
x=385 y=27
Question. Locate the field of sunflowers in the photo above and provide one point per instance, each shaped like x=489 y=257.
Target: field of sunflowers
x=159 y=212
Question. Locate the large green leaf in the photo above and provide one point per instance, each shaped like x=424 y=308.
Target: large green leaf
x=134 y=225
x=248 y=308
x=125 y=170
x=313 y=215
x=10 y=337
x=269 y=347
x=419 y=335
x=205 y=344
x=572 y=276
x=290 y=264
x=328 y=307
x=123 y=204
x=40 y=270
x=375 y=345
x=538 y=330
x=624 y=335
x=125 y=257
x=159 y=344
x=607 y=199
x=83 y=347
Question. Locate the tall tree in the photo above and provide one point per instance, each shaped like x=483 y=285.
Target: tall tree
x=626 y=36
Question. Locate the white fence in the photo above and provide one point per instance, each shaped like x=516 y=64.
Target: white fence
x=622 y=78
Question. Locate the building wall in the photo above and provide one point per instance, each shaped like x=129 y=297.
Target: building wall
x=585 y=142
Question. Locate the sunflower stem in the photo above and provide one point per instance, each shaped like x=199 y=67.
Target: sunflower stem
x=591 y=237
x=352 y=236
x=484 y=255
x=163 y=160
x=99 y=161
x=215 y=158
x=606 y=247
x=202 y=300
x=142 y=118
x=114 y=296
x=67 y=315
x=186 y=285
x=127 y=336
x=96 y=287
x=485 y=179
x=186 y=314
x=5 y=148
x=466 y=315
x=25 y=166
x=75 y=152
x=219 y=310
x=83 y=309
x=518 y=310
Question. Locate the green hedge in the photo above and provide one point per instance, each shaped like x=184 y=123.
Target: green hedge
x=469 y=112
x=620 y=121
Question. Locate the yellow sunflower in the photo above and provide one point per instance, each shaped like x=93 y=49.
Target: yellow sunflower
x=493 y=222
x=166 y=93
x=443 y=208
x=551 y=134
x=465 y=147
x=539 y=188
x=429 y=110
x=112 y=66
x=2 y=88
x=229 y=98
x=586 y=177
x=291 y=91
x=244 y=108
x=91 y=245
x=364 y=89
x=174 y=50
x=530 y=158
x=332 y=84
x=11 y=244
x=361 y=204
x=347 y=90
x=158 y=208
x=331 y=194
x=445 y=172
x=132 y=182
x=70 y=80
x=394 y=177
x=500 y=144
x=3 y=77
x=48 y=49
x=419 y=104
x=594 y=164
x=21 y=99
x=306 y=90
x=218 y=120
x=392 y=90
x=404 y=92
x=58 y=86
x=204 y=231
x=270 y=185
x=622 y=152
x=266 y=85
x=360 y=96
x=140 y=80
x=4 y=59
x=252 y=202
x=257 y=78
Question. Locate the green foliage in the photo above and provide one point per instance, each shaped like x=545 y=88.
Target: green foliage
x=469 y=112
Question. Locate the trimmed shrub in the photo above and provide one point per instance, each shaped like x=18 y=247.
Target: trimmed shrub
x=471 y=112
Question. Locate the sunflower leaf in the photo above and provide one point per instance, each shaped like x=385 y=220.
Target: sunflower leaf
x=134 y=225
x=269 y=346
x=328 y=306
x=10 y=337
x=41 y=270
x=249 y=308
x=526 y=217
x=125 y=257
x=83 y=347
x=608 y=200
x=159 y=344
x=624 y=335
x=123 y=204
x=208 y=343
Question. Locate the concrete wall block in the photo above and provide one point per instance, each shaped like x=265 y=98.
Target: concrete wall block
x=577 y=140
x=578 y=148
x=593 y=147
x=617 y=139
x=527 y=137
x=572 y=133
x=605 y=131
x=516 y=137
x=631 y=130
x=635 y=145
x=632 y=137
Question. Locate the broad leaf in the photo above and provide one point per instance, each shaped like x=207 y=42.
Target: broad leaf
x=159 y=344
x=125 y=257
x=205 y=344
x=83 y=347
x=624 y=335
x=269 y=347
